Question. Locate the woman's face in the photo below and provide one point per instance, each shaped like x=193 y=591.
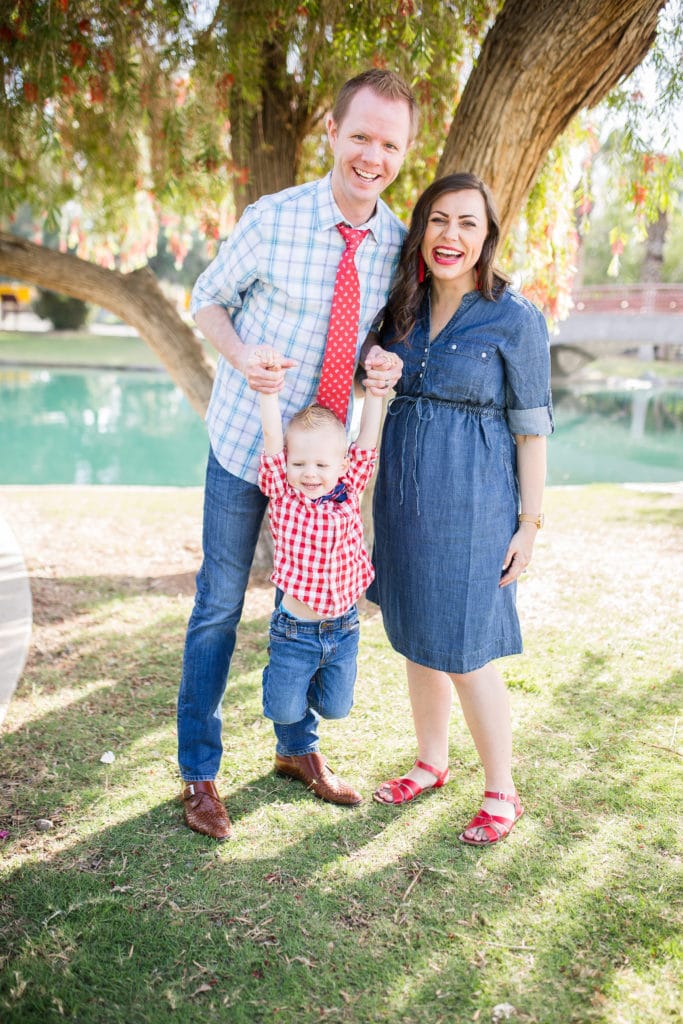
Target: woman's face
x=456 y=231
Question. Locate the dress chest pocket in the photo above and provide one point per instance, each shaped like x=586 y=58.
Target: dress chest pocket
x=462 y=368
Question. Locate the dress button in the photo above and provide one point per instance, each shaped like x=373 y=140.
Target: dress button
x=422 y=363
x=454 y=347
x=483 y=355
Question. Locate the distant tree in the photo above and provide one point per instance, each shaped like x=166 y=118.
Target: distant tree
x=64 y=312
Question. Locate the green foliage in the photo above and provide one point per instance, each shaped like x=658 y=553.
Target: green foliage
x=118 y=117
x=65 y=312
x=134 y=109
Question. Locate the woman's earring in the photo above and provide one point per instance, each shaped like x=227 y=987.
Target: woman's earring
x=421 y=269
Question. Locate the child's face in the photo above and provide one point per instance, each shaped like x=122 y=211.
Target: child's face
x=316 y=459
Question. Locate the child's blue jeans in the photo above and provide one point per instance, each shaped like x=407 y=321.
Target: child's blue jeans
x=312 y=668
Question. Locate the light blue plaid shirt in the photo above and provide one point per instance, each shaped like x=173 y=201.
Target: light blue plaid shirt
x=276 y=272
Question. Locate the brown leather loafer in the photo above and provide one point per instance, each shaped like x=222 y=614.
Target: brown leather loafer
x=312 y=769
x=205 y=811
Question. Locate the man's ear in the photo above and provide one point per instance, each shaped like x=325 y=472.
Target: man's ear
x=332 y=129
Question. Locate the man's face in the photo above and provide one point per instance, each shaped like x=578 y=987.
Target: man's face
x=369 y=145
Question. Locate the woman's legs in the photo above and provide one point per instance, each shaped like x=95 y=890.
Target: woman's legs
x=431 y=698
x=486 y=708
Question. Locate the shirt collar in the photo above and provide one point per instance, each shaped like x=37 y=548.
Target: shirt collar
x=329 y=214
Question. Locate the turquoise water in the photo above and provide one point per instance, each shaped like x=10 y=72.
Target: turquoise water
x=113 y=427
x=98 y=427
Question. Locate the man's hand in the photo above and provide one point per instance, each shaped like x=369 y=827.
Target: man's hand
x=383 y=371
x=264 y=368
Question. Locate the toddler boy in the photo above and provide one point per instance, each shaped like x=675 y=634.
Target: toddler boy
x=321 y=567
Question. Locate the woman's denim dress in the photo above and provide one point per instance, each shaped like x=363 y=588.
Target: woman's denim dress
x=446 y=497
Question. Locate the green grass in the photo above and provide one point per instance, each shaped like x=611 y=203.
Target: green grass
x=77 y=347
x=632 y=367
x=320 y=913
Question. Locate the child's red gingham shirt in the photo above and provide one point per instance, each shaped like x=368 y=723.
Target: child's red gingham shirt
x=320 y=556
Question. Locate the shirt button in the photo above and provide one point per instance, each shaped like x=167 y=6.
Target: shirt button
x=423 y=363
x=454 y=347
x=483 y=355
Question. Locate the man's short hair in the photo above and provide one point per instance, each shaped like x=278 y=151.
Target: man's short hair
x=385 y=83
x=315 y=417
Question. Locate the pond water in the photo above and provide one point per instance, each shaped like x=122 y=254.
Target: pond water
x=98 y=427
x=122 y=427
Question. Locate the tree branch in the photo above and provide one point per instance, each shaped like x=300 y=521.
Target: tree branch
x=136 y=298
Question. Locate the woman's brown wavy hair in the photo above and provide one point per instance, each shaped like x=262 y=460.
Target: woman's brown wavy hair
x=407 y=291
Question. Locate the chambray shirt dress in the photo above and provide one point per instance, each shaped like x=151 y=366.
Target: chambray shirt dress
x=446 y=498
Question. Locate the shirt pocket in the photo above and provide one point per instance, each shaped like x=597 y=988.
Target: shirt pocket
x=460 y=370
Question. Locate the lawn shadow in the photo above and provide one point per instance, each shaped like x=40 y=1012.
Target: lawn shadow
x=346 y=910
x=313 y=911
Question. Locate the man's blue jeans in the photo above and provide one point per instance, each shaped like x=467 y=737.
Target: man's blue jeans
x=233 y=512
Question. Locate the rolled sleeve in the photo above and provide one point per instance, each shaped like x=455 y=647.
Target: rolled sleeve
x=272 y=475
x=361 y=467
x=230 y=275
x=531 y=421
x=528 y=398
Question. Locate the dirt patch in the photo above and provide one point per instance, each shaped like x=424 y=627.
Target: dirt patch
x=135 y=540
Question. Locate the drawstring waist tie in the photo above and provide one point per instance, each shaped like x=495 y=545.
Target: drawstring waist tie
x=423 y=408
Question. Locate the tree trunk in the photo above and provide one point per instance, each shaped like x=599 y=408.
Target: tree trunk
x=136 y=298
x=268 y=142
x=651 y=271
x=541 y=63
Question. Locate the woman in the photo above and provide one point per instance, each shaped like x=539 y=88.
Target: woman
x=458 y=497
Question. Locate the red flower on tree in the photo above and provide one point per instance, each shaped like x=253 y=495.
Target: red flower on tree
x=639 y=195
x=69 y=87
x=78 y=53
x=106 y=60
x=96 y=90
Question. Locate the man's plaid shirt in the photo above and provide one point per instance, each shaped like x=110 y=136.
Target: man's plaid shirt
x=320 y=556
x=276 y=275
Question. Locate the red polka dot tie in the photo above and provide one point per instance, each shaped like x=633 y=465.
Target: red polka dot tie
x=336 y=377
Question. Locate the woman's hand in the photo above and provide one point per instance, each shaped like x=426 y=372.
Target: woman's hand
x=383 y=371
x=519 y=552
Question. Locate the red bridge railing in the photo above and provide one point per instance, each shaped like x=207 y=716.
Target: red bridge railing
x=632 y=298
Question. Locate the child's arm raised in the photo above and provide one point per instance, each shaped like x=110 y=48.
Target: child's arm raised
x=271 y=420
x=371 y=417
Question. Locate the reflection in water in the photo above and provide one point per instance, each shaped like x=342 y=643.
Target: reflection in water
x=100 y=427
x=634 y=434
x=109 y=427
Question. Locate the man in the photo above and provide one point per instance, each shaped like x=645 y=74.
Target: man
x=272 y=283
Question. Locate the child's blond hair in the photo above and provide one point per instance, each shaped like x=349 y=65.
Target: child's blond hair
x=315 y=417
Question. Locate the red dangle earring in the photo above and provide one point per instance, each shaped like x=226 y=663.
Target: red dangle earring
x=421 y=270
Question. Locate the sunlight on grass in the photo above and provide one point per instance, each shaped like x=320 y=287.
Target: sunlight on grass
x=118 y=913
x=41 y=702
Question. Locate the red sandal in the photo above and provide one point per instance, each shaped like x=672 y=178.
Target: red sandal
x=493 y=827
x=404 y=789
